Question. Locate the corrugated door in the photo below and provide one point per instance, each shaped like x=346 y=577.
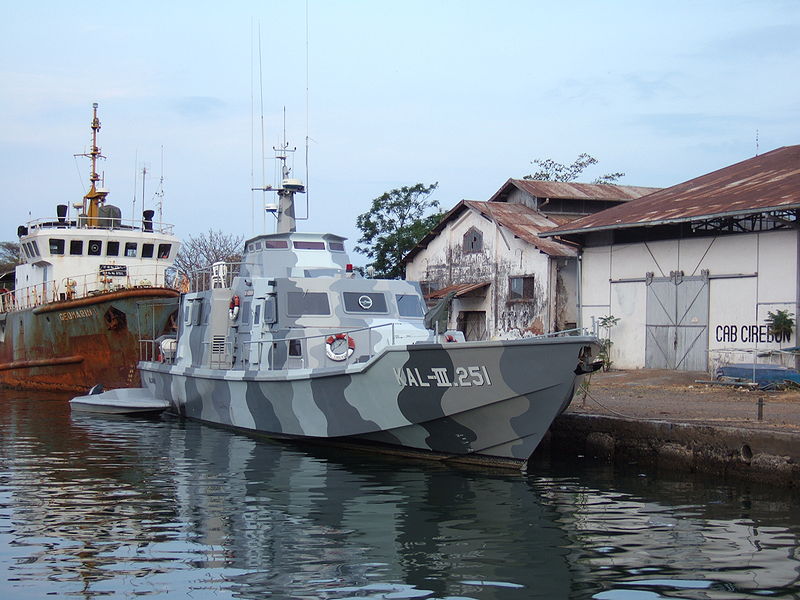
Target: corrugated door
x=677 y=322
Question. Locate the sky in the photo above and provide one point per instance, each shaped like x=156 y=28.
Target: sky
x=377 y=95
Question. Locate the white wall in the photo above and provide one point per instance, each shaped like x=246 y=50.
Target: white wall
x=444 y=263
x=760 y=272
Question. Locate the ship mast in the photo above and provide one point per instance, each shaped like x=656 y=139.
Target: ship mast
x=95 y=197
x=286 y=191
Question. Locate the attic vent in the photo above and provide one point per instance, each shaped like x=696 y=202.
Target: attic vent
x=473 y=240
x=218 y=344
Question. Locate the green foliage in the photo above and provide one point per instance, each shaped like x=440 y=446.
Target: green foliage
x=9 y=256
x=780 y=323
x=607 y=323
x=550 y=170
x=394 y=225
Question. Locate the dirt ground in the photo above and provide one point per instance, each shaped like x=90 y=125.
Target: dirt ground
x=676 y=396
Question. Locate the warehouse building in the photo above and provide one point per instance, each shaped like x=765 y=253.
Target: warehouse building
x=692 y=272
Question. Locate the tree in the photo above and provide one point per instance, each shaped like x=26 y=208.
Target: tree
x=550 y=170
x=9 y=256
x=201 y=251
x=394 y=225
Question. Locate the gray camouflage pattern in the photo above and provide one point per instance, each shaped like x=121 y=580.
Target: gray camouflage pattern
x=401 y=386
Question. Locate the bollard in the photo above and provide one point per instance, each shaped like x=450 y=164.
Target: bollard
x=760 y=408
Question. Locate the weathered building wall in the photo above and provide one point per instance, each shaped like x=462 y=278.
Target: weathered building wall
x=445 y=262
x=748 y=275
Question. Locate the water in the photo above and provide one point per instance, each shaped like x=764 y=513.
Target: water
x=101 y=507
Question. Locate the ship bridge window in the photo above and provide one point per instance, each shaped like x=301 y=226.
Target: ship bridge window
x=130 y=249
x=147 y=250
x=164 y=250
x=95 y=247
x=275 y=244
x=35 y=248
x=409 y=305
x=56 y=246
x=299 y=304
x=336 y=246
x=25 y=250
x=112 y=248
x=76 y=247
x=364 y=302
x=302 y=245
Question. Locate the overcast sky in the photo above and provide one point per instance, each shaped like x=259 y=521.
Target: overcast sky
x=465 y=93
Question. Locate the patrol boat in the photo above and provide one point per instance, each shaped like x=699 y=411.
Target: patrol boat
x=73 y=316
x=292 y=343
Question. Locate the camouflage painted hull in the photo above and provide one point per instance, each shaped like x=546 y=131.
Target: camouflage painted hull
x=74 y=344
x=477 y=400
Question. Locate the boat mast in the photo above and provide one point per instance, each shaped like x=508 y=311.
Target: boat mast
x=95 y=198
x=286 y=191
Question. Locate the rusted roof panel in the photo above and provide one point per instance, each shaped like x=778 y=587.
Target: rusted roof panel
x=523 y=222
x=767 y=182
x=460 y=289
x=572 y=190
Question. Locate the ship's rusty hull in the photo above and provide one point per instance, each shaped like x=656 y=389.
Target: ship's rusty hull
x=75 y=344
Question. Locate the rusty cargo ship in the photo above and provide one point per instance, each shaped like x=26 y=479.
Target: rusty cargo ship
x=89 y=286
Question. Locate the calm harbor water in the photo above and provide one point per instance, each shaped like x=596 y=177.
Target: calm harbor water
x=100 y=507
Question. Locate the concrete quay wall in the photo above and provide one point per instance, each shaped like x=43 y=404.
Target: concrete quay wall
x=757 y=455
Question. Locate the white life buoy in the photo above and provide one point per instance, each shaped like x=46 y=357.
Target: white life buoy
x=233 y=308
x=339 y=347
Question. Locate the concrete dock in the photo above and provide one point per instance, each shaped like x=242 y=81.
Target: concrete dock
x=667 y=420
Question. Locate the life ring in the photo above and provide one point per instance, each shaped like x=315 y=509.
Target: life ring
x=449 y=338
x=233 y=308
x=339 y=355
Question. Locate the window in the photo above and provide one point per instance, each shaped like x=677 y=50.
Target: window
x=76 y=247
x=112 y=249
x=275 y=244
x=257 y=314
x=295 y=348
x=35 y=248
x=130 y=249
x=147 y=250
x=336 y=246
x=366 y=302
x=521 y=288
x=56 y=246
x=473 y=240
x=164 y=250
x=95 y=247
x=409 y=305
x=309 y=245
x=26 y=251
x=307 y=303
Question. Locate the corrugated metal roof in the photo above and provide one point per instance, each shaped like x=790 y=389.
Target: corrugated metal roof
x=522 y=221
x=767 y=182
x=572 y=190
x=460 y=289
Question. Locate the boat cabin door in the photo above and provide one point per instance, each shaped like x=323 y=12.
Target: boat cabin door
x=265 y=315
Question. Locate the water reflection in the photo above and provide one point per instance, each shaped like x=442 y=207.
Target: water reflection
x=112 y=507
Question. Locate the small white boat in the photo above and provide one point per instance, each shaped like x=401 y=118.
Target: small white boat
x=123 y=401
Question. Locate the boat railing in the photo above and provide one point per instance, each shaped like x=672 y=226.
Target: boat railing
x=217 y=275
x=104 y=223
x=294 y=353
x=119 y=277
x=581 y=331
